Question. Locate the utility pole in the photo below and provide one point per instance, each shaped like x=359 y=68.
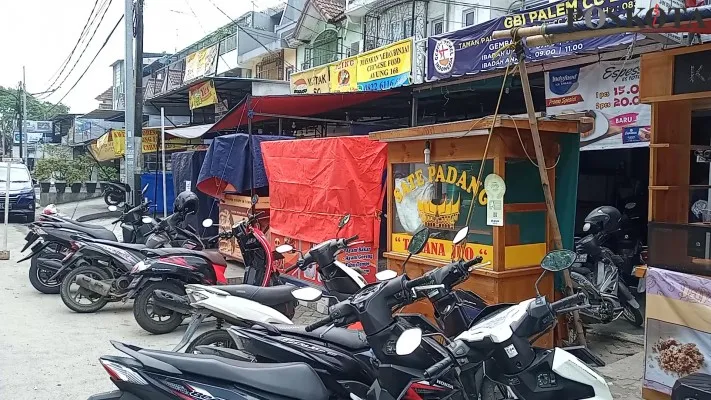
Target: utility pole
x=21 y=123
x=130 y=96
x=24 y=115
x=138 y=114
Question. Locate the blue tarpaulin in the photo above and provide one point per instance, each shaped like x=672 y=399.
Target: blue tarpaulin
x=231 y=166
x=154 y=180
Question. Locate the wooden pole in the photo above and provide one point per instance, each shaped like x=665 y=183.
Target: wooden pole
x=550 y=206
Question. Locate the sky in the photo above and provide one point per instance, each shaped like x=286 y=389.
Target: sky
x=40 y=34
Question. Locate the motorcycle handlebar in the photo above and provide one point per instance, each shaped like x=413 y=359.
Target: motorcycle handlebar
x=439 y=367
x=473 y=262
x=351 y=239
x=424 y=279
x=318 y=324
x=567 y=302
x=293 y=267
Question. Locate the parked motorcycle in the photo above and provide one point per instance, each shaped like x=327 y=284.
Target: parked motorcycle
x=102 y=269
x=501 y=338
x=596 y=273
x=51 y=241
x=233 y=304
x=116 y=193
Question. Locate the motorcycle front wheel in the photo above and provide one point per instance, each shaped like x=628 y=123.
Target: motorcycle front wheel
x=633 y=315
x=217 y=337
x=113 y=199
x=72 y=294
x=39 y=275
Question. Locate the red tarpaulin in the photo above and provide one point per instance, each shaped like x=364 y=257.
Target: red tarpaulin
x=314 y=182
x=299 y=106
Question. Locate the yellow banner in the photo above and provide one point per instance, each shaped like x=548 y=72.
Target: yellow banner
x=200 y=63
x=343 y=75
x=314 y=80
x=444 y=249
x=102 y=153
x=202 y=95
x=118 y=137
x=151 y=140
x=385 y=67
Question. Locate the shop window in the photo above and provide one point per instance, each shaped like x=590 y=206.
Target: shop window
x=407 y=28
x=228 y=45
x=439 y=196
x=324 y=49
x=437 y=26
x=469 y=17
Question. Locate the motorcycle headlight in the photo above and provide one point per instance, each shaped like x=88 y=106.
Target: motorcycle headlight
x=140 y=266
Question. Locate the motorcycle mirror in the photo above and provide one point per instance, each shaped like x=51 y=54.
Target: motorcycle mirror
x=630 y=206
x=385 y=275
x=143 y=191
x=408 y=342
x=418 y=241
x=307 y=294
x=558 y=260
x=113 y=208
x=255 y=199
x=461 y=236
x=146 y=220
x=284 y=248
x=344 y=221
x=207 y=223
x=586 y=227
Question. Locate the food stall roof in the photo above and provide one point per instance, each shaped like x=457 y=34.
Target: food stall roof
x=292 y=105
x=479 y=126
x=189 y=132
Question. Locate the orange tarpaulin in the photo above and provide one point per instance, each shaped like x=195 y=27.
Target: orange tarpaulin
x=314 y=182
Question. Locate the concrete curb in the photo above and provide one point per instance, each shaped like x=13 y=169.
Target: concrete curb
x=621 y=336
x=100 y=215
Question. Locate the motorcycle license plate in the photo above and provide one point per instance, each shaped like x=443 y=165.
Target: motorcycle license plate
x=581 y=258
x=134 y=283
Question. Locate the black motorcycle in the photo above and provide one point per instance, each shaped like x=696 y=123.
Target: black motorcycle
x=51 y=241
x=102 y=269
x=116 y=193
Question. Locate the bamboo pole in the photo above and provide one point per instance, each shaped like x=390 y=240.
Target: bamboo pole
x=550 y=205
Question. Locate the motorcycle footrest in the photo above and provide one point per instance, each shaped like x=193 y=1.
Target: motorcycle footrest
x=585 y=355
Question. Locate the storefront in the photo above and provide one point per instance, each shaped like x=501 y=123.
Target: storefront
x=678 y=332
x=509 y=229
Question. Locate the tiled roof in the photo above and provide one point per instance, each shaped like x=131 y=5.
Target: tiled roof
x=330 y=9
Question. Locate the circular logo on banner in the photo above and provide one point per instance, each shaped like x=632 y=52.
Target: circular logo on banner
x=443 y=56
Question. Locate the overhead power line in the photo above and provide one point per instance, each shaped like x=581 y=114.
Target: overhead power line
x=84 y=31
x=88 y=66
x=76 y=62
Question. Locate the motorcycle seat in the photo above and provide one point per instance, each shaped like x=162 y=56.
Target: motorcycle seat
x=99 y=232
x=120 y=245
x=213 y=256
x=81 y=224
x=343 y=337
x=269 y=296
x=292 y=380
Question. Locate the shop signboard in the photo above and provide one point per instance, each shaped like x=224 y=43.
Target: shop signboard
x=607 y=91
x=311 y=81
x=151 y=140
x=386 y=67
x=472 y=50
x=202 y=95
x=201 y=63
x=343 y=75
x=678 y=328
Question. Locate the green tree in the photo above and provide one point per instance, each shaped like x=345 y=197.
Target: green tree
x=37 y=110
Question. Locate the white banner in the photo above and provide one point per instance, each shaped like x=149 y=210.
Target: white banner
x=607 y=91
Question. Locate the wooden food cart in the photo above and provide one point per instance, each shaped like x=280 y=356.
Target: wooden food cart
x=234 y=208
x=439 y=195
x=676 y=83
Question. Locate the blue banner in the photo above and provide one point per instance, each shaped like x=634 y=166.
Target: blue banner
x=472 y=50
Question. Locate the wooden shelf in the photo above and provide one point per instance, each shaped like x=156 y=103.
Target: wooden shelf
x=680 y=187
x=678 y=146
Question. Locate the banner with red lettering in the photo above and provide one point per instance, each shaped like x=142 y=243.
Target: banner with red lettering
x=609 y=92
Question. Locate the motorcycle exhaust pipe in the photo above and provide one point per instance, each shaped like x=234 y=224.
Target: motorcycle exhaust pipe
x=172 y=301
x=93 y=285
